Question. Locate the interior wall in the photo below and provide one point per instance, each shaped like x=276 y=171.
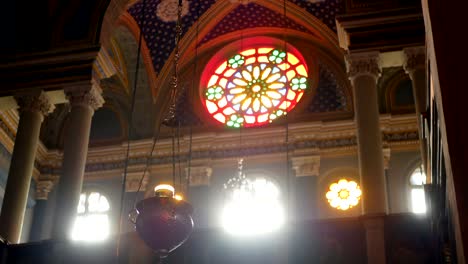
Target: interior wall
x=402 y=164
x=333 y=169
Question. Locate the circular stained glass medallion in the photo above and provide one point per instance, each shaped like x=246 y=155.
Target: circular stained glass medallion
x=255 y=87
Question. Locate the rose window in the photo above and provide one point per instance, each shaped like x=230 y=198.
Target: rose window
x=255 y=87
x=344 y=194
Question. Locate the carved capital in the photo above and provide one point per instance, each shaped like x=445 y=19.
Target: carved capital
x=386 y=157
x=43 y=188
x=85 y=96
x=199 y=175
x=306 y=166
x=34 y=103
x=415 y=58
x=133 y=182
x=363 y=64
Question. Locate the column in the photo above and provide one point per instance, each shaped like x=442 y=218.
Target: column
x=201 y=197
x=306 y=192
x=199 y=194
x=386 y=156
x=364 y=71
x=32 y=109
x=415 y=67
x=43 y=188
x=83 y=102
x=305 y=202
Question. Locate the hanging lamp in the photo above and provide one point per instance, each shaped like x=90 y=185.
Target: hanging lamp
x=165 y=222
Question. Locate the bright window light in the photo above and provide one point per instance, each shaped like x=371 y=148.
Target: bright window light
x=92 y=221
x=344 y=194
x=253 y=209
x=418 y=198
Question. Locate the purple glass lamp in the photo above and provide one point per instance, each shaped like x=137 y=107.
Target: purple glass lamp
x=164 y=222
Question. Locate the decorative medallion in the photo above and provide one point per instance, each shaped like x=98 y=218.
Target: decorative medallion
x=167 y=10
x=255 y=87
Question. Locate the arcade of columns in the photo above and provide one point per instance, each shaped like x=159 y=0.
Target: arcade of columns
x=364 y=71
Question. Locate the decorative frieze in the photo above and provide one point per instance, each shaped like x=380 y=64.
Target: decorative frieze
x=415 y=58
x=318 y=145
x=34 y=103
x=306 y=166
x=43 y=188
x=199 y=175
x=363 y=64
x=90 y=96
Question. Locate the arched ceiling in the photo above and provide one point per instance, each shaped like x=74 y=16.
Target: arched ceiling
x=159 y=25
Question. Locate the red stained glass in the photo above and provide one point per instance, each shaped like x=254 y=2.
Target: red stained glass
x=255 y=87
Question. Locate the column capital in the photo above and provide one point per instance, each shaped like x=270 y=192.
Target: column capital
x=306 y=166
x=386 y=157
x=87 y=95
x=199 y=175
x=415 y=58
x=43 y=188
x=363 y=64
x=133 y=182
x=34 y=103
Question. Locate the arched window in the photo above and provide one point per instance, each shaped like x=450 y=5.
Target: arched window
x=418 y=199
x=92 y=221
x=255 y=208
x=255 y=86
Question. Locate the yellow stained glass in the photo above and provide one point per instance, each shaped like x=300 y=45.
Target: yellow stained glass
x=221 y=68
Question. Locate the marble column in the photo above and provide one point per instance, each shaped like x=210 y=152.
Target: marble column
x=32 y=109
x=364 y=70
x=415 y=67
x=84 y=100
x=307 y=171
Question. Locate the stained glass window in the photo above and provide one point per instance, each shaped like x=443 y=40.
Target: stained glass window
x=344 y=194
x=255 y=87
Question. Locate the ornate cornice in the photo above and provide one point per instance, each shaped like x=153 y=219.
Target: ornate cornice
x=363 y=64
x=415 y=58
x=88 y=96
x=305 y=140
x=34 y=103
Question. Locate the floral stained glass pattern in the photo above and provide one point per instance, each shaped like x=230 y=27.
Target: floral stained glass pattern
x=255 y=87
x=344 y=194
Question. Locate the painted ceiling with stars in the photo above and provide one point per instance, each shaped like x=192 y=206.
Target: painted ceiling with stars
x=157 y=20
